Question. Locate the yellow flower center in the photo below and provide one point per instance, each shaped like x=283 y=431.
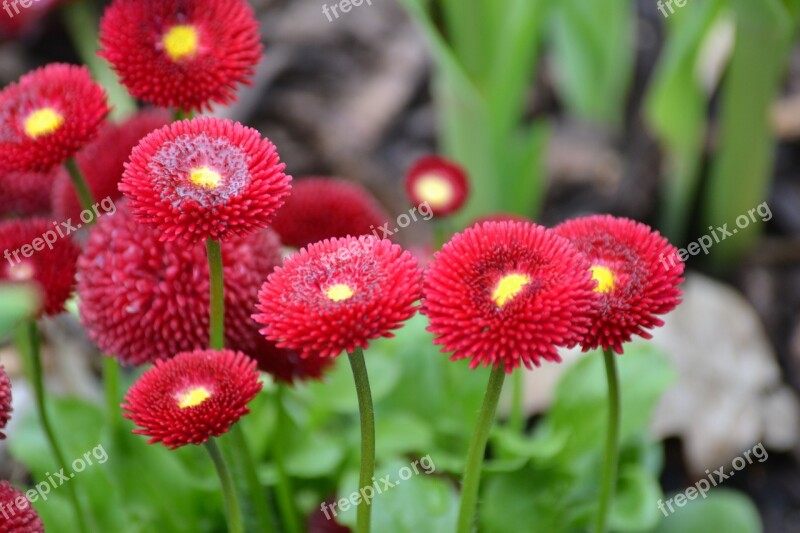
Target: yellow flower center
x=604 y=277
x=205 y=177
x=181 y=41
x=193 y=397
x=43 y=122
x=339 y=292
x=509 y=286
x=434 y=189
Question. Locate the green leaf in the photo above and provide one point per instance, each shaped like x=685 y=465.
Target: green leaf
x=634 y=509
x=721 y=510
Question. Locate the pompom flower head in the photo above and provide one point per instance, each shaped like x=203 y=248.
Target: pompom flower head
x=48 y=116
x=17 y=515
x=205 y=178
x=39 y=252
x=180 y=53
x=5 y=400
x=634 y=283
x=508 y=293
x=338 y=294
x=26 y=194
x=326 y=208
x=192 y=397
x=440 y=183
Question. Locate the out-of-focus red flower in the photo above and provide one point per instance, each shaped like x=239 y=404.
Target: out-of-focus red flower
x=192 y=397
x=16 y=20
x=17 y=515
x=41 y=252
x=26 y=194
x=508 y=293
x=5 y=401
x=325 y=208
x=338 y=294
x=205 y=178
x=636 y=275
x=102 y=162
x=179 y=53
x=323 y=520
x=439 y=183
x=47 y=116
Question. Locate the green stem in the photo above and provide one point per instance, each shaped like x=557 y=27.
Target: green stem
x=470 y=487
x=285 y=500
x=609 y=482
x=85 y=196
x=217 y=319
x=255 y=497
x=516 y=419
x=28 y=344
x=111 y=378
x=366 y=410
x=233 y=510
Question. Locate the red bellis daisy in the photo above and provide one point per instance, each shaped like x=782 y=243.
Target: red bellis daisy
x=17 y=515
x=103 y=161
x=192 y=397
x=40 y=252
x=326 y=208
x=47 y=116
x=183 y=54
x=205 y=178
x=338 y=294
x=5 y=401
x=26 y=194
x=634 y=282
x=440 y=183
x=508 y=293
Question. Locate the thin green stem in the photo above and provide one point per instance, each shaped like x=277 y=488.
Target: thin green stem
x=233 y=510
x=217 y=319
x=85 y=196
x=255 y=497
x=111 y=379
x=516 y=419
x=285 y=500
x=609 y=482
x=359 y=366
x=28 y=344
x=470 y=487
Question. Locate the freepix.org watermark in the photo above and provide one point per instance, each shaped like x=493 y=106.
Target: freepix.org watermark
x=664 y=5
x=59 y=231
x=343 y=6
x=379 y=486
x=717 y=477
x=41 y=490
x=8 y=5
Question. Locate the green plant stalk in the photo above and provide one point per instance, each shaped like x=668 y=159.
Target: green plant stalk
x=28 y=344
x=367 y=415
x=286 y=505
x=217 y=303
x=85 y=196
x=609 y=481
x=233 y=509
x=470 y=486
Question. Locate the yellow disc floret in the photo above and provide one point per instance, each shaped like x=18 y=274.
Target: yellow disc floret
x=43 y=122
x=435 y=190
x=193 y=397
x=181 y=42
x=604 y=277
x=339 y=292
x=509 y=286
x=205 y=177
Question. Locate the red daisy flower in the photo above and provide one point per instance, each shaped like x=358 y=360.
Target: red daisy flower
x=205 y=178
x=192 y=397
x=5 y=400
x=103 y=161
x=23 y=20
x=17 y=515
x=47 y=116
x=505 y=293
x=180 y=53
x=338 y=294
x=440 y=183
x=41 y=252
x=636 y=276
x=327 y=208
x=26 y=194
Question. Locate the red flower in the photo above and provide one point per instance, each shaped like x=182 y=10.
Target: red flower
x=205 y=178
x=326 y=208
x=102 y=162
x=5 y=400
x=180 y=53
x=41 y=252
x=48 y=116
x=440 y=183
x=500 y=217
x=338 y=294
x=634 y=279
x=17 y=515
x=26 y=194
x=192 y=397
x=505 y=293
x=17 y=20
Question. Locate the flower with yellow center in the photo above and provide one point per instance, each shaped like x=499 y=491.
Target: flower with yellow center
x=181 y=42
x=193 y=397
x=205 y=177
x=339 y=292
x=42 y=122
x=604 y=277
x=509 y=287
x=435 y=190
